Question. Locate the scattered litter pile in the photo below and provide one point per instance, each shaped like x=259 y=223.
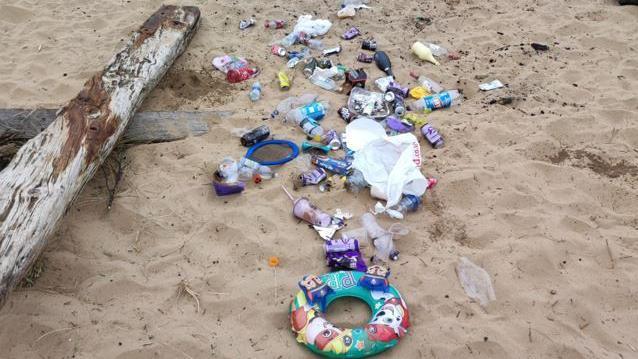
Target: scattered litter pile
x=377 y=151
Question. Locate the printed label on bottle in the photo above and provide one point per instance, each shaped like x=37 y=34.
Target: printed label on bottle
x=314 y=111
x=438 y=101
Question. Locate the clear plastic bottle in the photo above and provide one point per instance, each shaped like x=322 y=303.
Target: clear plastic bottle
x=356 y=182
x=255 y=92
x=318 y=78
x=381 y=239
x=289 y=40
x=314 y=111
x=293 y=102
x=441 y=100
x=438 y=51
x=249 y=168
x=311 y=127
x=345 y=3
x=409 y=203
x=228 y=170
x=430 y=85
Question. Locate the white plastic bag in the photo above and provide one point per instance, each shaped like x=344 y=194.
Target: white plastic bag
x=312 y=27
x=390 y=164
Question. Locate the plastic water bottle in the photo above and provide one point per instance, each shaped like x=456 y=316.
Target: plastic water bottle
x=318 y=78
x=311 y=127
x=255 y=92
x=430 y=85
x=356 y=182
x=409 y=203
x=249 y=168
x=314 y=111
x=433 y=102
x=293 y=102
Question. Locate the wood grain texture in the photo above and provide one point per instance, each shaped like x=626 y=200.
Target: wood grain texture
x=50 y=170
x=20 y=125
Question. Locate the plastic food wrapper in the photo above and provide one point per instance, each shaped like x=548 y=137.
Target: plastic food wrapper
x=391 y=165
x=316 y=27
x=476 y=282
x=366 y=103
x=493 y=85
x=236 y=68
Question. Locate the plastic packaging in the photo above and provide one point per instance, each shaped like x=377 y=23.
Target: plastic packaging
x=348 y=11
x=430 y=85
x=340 y=167
x=316 y=27
x=255 y=92
x=389 y=164
x=236 y=68
x=382 y=239
x=441 y=100
x=367 y=103
x=356 y=182
x=476 y=282
x=423 y=52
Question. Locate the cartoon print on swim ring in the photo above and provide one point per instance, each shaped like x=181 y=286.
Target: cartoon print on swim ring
x=390 y=316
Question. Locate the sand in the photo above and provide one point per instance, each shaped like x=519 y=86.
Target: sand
x=541 y=193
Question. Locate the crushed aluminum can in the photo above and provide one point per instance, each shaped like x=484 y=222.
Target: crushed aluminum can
x=332 y=51
x=324 y=63
x=284 y=81
x=351 y=33
x=244 y=24
x=365 y=58
x=346 y=114
x=369 y=44
x=311 y=178
x=278 y=50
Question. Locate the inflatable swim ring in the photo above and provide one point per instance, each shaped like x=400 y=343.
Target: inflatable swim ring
x=390 y=317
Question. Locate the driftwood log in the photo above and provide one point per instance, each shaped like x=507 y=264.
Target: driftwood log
x=49 y=171
x=18 y=126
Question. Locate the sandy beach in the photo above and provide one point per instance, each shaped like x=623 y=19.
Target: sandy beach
x=542 y=192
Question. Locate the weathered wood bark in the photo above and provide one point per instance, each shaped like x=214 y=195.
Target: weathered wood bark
x=50 y=170
x=19 y=125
